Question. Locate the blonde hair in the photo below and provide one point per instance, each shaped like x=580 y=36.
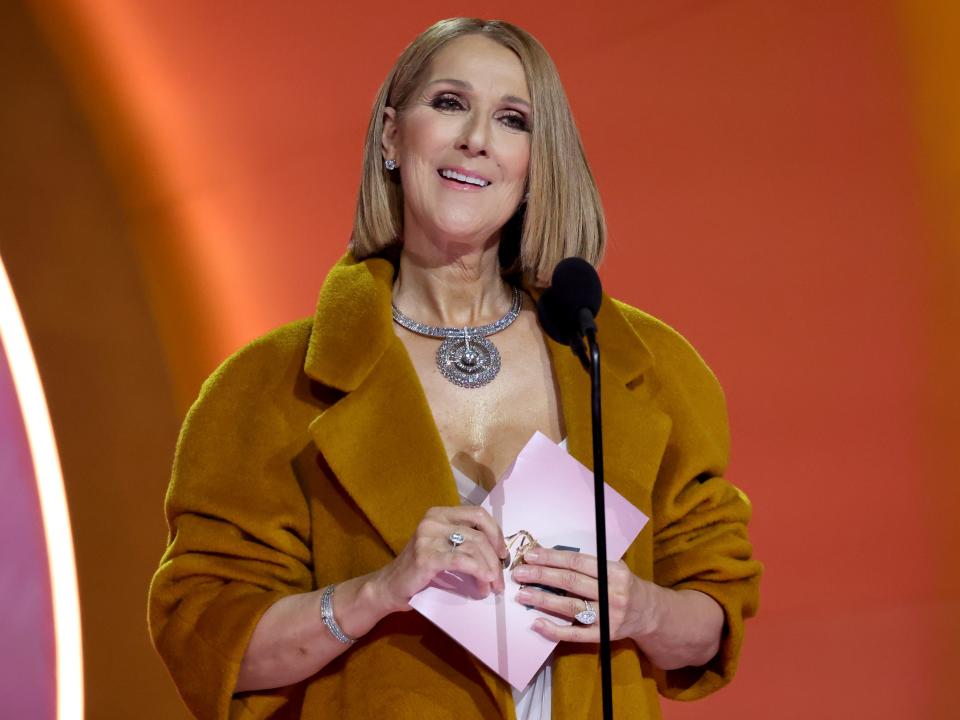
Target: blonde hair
x=562 y=217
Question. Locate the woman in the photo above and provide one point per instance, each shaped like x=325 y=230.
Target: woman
x=313 y=491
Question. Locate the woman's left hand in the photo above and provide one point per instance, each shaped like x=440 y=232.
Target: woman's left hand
x=632 y=600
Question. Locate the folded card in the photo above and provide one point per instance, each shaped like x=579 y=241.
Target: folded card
x=547 y=493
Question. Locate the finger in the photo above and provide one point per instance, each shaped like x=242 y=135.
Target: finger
x=561 y=605
x=474 y=545
x=479 y=519
x=477 y=541
x=568 y=580
x=463 y=562
x=580 y=562
x=479 y=547
x=567 y=633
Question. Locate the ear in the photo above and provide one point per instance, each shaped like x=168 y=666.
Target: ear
x=391 y=131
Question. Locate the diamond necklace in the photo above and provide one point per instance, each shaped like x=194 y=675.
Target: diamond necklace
x=465 y=357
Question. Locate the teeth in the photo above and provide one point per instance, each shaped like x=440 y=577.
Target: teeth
x=451 y=175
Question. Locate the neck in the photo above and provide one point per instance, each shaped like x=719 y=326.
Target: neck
x=451 y=287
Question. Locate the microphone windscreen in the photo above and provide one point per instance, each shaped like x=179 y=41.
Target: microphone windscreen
x=575 y=286
x=554 y=323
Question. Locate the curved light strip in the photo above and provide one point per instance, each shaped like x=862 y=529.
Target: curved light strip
x=53 y=504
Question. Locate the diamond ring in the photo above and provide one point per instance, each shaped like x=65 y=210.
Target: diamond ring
x=455 y=538
x=587 y=616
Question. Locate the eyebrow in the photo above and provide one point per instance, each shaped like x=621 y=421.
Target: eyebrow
x=467 y=86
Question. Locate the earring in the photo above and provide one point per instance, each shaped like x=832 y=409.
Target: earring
x=526 y=196
x=390 y=164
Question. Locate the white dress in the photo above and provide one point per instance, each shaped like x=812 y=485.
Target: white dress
x=533 y=702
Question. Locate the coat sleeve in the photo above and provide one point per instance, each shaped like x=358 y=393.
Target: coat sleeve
x=700 y=519
x=239 y=539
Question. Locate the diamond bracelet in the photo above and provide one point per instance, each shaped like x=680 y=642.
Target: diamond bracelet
x=326 y=613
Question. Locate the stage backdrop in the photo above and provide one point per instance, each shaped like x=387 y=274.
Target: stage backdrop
x=780 y=185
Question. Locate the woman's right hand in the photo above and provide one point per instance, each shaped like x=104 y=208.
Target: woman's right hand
x=430 y=552
x=275 y=656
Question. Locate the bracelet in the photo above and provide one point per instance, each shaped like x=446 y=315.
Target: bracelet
x=326 y=613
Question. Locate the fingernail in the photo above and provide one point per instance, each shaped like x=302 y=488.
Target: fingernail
x=524 y=596
x=521 y=572
x=539 y=625
x=531 y=555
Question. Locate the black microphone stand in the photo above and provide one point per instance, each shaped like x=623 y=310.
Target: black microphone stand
x=589 y=328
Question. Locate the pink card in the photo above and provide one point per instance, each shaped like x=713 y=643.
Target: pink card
x=549 y=494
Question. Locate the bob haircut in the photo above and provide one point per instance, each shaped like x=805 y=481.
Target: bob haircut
x=562 y=217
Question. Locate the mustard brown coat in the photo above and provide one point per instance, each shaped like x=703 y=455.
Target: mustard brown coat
x=310 y=456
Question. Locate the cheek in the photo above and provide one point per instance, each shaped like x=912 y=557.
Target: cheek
x=519 y=162
x=424 y=134
x=418 y=175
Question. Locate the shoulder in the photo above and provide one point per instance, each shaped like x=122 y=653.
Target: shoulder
x=253 y=380
x=683 y=384
x=673 y=354
x=263 y=361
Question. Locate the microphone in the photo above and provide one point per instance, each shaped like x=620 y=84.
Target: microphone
x=567 y=308
x=566 y=312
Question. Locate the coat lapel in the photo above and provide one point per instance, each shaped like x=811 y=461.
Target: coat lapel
x=380 y=439
x=634 y=429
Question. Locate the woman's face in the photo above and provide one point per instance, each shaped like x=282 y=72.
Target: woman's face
x=463 y=144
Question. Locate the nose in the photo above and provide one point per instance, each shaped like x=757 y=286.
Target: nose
x=474 y=137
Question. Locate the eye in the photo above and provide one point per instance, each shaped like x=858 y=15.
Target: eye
x=447 y=102
x=514 y=120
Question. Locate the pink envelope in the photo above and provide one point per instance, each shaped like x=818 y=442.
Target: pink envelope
x=549 y=494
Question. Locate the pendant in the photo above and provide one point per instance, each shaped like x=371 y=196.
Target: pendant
x=469 y=362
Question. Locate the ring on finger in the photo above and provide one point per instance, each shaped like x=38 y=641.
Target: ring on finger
x=587 y=616
x=456 y=538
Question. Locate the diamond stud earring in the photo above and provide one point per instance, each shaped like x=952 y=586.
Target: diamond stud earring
x=390 y=164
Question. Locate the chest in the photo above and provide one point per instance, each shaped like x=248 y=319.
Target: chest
x=484 y=428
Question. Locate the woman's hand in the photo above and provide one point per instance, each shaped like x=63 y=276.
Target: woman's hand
x=291 y=643
x=673 y=628
x=632 y=600
x=430 y=552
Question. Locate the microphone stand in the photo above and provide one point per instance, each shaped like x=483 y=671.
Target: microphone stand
x=589 y=328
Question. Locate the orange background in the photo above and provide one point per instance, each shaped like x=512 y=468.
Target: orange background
x=781 y=185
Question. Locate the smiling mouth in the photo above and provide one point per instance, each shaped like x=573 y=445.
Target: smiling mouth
x=461 y=178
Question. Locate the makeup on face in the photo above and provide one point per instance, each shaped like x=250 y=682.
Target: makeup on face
x=463 y=144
